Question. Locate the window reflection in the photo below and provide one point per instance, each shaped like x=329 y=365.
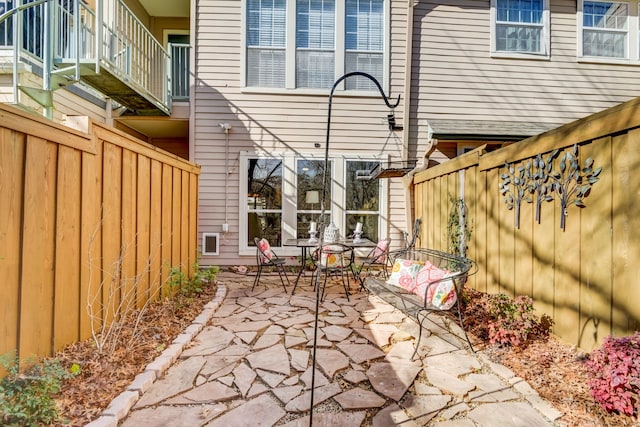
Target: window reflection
x=309 y=194
x=264 y=200
x=362 y=200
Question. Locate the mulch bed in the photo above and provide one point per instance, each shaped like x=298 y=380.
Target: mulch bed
x=556 y=370
x=105 y=375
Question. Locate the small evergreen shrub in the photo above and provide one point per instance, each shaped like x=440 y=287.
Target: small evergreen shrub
x=27 y=398
x=615 y=370
x=513 y=321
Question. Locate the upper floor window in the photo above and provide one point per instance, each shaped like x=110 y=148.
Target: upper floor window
x=321 y=40
x=315 y=43
x=521 y=26
x=266 y=27
x=364 y=27
x=605 y=29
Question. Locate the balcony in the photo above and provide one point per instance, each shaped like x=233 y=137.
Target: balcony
x=107 y=48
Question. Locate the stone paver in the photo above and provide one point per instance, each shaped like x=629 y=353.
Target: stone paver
x=424 y=408
x=392 y=379
x=249 y=363
x=516 y=414
x=357 y=398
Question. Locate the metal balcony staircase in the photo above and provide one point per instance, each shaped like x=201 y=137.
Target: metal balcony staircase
x=65 y=41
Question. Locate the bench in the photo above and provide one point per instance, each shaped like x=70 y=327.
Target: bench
x=424 y=281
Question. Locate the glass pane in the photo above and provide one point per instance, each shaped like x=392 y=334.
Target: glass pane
x=265 y=225
x=315 y=24
x=265 y=67
x=519 y=11
x=604 y=43
x=369 y=225
x=309 y=190
x=314 y=69
x=303 y=223
x=266 y=23
x=362 y=195
x=605 y=15
x=264 y=184
x=518 y=38
x=370 y=63
x=364 y=25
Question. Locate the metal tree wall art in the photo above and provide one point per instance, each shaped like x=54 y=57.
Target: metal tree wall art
x=541 y=186
x=520 y=180
x=538 y=181
x=572 y=183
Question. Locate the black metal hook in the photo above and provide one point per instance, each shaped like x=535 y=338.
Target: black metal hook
x=326 y=145
x=322 y=212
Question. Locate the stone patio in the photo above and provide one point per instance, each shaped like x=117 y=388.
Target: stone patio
x=250 y=365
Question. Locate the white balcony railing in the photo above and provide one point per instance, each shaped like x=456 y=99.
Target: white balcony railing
x=121 y=45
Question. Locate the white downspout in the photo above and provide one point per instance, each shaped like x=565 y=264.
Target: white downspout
x=407 y=180
x=225 y=128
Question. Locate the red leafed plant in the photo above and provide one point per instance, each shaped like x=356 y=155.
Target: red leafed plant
x=514 y=322
x=615 y=368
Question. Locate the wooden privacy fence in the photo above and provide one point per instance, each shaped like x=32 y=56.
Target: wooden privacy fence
x=89 y=227
x=583 y=276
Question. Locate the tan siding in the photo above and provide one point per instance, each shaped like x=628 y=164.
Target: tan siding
x=581 y=275
x=277 y=122
x=74 y=211
x=448 y=61
x=67 y=103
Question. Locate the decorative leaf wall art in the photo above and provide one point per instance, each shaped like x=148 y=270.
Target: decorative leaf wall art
x=542 y=187
x=538 y=180
x=516 y=187
x=572 y=183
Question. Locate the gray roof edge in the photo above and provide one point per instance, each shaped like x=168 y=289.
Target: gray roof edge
x=486 y=129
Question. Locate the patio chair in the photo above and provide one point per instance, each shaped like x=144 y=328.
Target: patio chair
x=335 y=259
x=414 y=234
x=266 y=257
x=377 y=257
x=411 y=244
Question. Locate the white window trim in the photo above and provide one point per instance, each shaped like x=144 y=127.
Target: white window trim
x=633 y=38
x=383 y=213
x=290 y=77
x=546 y=36
x=289 y=194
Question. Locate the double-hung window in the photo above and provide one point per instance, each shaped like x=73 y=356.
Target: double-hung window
x=362 y=201
x=364 y=41
x=605 y=29
x=315 y=43
x=266 y=28
x=263 y=200
x=309 y=44
x=520 y=27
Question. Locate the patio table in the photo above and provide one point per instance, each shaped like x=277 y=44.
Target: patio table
x=304 y=244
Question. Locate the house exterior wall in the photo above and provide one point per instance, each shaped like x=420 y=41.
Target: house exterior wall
x=65 y=103
x=455 y=76
x=278 y=122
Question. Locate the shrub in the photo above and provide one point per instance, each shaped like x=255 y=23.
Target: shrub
x=615 y=370
x=192 y=287
x=26 y=398
x=513 y=321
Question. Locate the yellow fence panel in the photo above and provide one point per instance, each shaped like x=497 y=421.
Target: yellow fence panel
x=582 y=274
x=90 y=226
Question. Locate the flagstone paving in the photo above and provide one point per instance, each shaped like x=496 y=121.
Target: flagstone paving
x=251 y=366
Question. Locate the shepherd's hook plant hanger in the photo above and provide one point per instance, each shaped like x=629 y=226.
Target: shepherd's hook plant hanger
x=322 y=213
